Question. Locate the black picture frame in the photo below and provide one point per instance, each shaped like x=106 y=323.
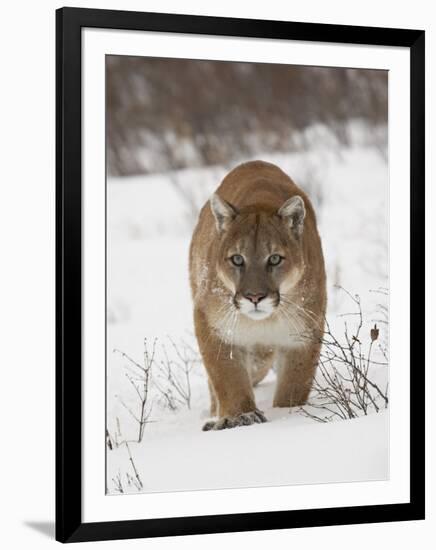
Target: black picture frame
x=69 y=525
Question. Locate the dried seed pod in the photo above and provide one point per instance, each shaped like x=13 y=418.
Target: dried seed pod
x=374 y=333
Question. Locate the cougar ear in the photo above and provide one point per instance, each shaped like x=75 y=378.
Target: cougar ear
x=293 y=212
x=223 y=212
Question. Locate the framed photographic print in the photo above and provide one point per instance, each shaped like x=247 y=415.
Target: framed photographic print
x=240 y=274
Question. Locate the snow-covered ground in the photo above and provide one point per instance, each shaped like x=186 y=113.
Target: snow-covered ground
x=149 y=228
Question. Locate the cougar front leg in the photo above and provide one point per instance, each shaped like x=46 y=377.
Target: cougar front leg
x=213 y=400
x=295 y=372
x=230 y=384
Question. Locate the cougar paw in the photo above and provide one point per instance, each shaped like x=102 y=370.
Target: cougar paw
x=243 y=419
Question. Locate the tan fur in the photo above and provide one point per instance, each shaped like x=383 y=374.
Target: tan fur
x=238 y=350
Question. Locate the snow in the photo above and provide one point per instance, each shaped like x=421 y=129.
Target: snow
x=149 y=230
x=282 y=452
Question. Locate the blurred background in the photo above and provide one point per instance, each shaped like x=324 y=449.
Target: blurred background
x=169 y=114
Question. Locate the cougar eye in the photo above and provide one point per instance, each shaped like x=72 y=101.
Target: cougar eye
x=237 y=260
x=275 y=259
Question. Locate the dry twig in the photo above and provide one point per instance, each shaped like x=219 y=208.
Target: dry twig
x=345 y=386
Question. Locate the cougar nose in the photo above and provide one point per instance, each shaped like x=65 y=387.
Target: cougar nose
x=255 y=298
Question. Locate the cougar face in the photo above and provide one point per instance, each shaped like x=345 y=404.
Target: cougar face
x=260 y=258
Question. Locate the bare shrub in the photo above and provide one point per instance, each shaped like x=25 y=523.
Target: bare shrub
x=132 y=480
x=139 y=378
x=118 y=484
x=109 y=443
x=173 y=375
x=345 y=385
x=383 y=319
x=137 y=480
x=113 y=441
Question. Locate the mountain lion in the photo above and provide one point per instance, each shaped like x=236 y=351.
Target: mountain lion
x=259 y=291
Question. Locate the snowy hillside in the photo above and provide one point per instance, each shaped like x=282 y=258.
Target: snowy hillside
x=150 y=221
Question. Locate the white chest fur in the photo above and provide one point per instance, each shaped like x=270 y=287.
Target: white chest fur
x=278 y=331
